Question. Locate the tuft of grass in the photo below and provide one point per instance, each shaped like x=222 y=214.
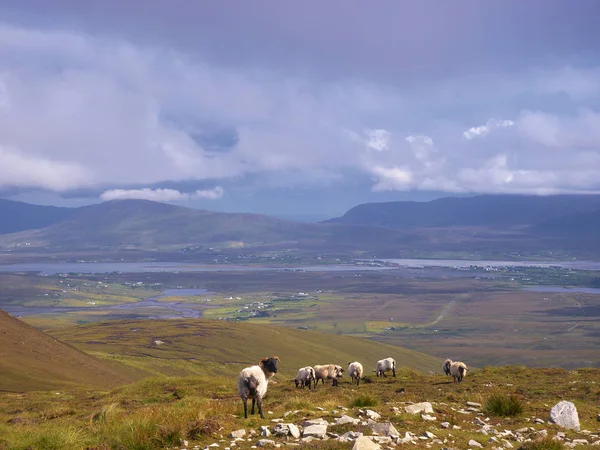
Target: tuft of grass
x=363 y=400
x=546 y=443
x=503 y=405
x=105 y=413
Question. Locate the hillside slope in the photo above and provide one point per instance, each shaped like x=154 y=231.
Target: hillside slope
x=32 y=360
x=577 y=227
x=494 y=211
x=19 y=216
x=211 y=345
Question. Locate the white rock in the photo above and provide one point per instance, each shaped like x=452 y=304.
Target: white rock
x=424 y=407
x=564 y=414
x=429 y=435
x=372 y=415
x=473 y=404
x=318 y=431
x=346 y=419
x=445 y=424
x=428 y=417
x=294 y=430
x=364 y=443
x=265 y=443
x=474 y=443
x=238 y=433
x=384 y=429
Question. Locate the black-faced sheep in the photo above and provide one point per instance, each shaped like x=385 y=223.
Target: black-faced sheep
x=355 y=371
x=458 y=370
x=253 y=381
x=385 y=365
x=446 y=366
x=305 y=376
x=328 y=372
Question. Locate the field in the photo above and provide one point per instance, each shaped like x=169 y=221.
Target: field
x=480 y=316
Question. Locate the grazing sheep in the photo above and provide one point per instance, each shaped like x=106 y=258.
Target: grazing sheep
x=304 y=377
x=458 y=370
x=328 y=372
x=355 y=370
x=446 y=366
x=385 y=365
x=253 y=381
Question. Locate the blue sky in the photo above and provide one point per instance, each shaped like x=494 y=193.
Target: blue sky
x=297 y=109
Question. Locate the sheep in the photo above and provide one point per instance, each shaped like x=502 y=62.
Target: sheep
x=385 y=365
x=355 y=370
x=253 y=381
x=446 y=366
x=328 y=372
x=304 y=377
x=458 y=370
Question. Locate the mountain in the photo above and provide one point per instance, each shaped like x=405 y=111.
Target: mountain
x=32 y=360
x=142 y=224
x=19 y=216
x=583 y=226
x=493 y=211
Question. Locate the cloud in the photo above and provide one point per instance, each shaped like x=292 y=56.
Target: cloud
x=483 y=130
x=161 y=195
x=378 y=140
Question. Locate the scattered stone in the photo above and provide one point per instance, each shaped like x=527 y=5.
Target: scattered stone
x=372 y=415
x=564 y=414
x=401 y=391
x=428 y=417
x=445 y=424
x=384 y=429
x=346 y=419
x=264 y=431
x=214 y=445
x=281 y=429
x=364 y=443
x=294 y=430
x=350 y=436
x=538 y=420
x=424 y=407
x=473 y=404
x=310 y=422
x=429 y=435
x=318 y=431
x=474 y=443
x=318 y=408
x=238 y=433
x=265 y=443
x=276 y=420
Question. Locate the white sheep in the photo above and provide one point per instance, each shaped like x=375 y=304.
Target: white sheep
x=253 y=381
x=385 y=365
x=458 y=370
x=328 y=372
x=446 y=366
x=355 y=371
x=304 y=377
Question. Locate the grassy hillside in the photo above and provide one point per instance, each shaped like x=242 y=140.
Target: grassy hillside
x=196 y=346
x=32 y=360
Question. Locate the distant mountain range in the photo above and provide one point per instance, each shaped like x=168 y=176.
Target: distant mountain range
x=489 y=223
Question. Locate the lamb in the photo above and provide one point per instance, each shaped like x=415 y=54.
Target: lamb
x=253 y=381
x=385 y=365
x=458 y=370
x=446 y=366
x=304 y=377
x=355 y=370
x=328 y=372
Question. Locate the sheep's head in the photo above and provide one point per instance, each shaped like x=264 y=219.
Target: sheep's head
x=269 y=365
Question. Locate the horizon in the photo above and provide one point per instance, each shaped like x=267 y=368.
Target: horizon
x=275 y=111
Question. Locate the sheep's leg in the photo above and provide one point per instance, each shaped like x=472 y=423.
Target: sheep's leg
x=260 y=408
x=245 y=400
x=394 y=371
x=253 y=402
x=357 y=381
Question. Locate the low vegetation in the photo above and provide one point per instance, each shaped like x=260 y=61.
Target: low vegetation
x=502 y=405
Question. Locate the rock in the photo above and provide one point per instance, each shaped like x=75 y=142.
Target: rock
x=538 y=420
x=474 y=443
x=428 y=417
x=350 y=436
x=424 y=407
x=276 y=420
x=265 y=443
x=319 y=408
x=294 y=430
x=372 y=415
x=429 y=435
x=308 y=423
x=384 y=429
x=364 y=443
x=238 y=433
x=318 y=431
x=473 y=404
x=445 y=424
x=264 y=431
x=564 y=414
x=598 y=418
x=346 y=419
x=281 y=429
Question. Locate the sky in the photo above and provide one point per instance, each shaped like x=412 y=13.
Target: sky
x=300 y=109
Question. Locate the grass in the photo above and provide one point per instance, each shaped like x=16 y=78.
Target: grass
x=546 y=443
x=503 y=405
x=363 y=400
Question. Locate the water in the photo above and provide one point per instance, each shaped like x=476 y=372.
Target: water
x=143 y=307
x=581 y=290
x=465 y=263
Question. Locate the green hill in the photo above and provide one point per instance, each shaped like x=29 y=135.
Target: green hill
x=183 y=347
x=32 y=360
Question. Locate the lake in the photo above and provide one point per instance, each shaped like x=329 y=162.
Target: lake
x=551 y=289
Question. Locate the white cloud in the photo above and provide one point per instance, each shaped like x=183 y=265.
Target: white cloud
x=378 y=139
x=161 y=195
x=483 y=130
x=392 y=178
